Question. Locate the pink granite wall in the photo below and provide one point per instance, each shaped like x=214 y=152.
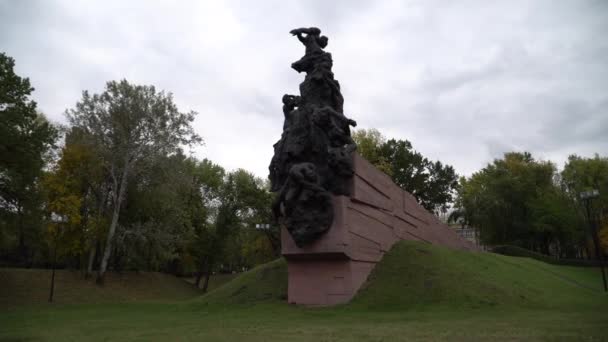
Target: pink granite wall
x=366 y=225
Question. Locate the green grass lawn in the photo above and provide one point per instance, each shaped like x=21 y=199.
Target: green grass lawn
x=215 y=280
x=23 y=287
x=418 y=292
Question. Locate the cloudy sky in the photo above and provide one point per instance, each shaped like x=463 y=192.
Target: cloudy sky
x=464 y=81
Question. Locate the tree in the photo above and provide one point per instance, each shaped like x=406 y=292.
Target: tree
x=518 y=200
x=459 y=215
x=555 y=222
x=25 y=137
x=432 y=183
x=258 y=240
x=224 y=212
x=78 y=177
x=255 y=203
x=69 y=206
x=128 y=124
x=207 y=180
x=583 y=174
x=497 y=197
x=369 y=145
x=64 y=216
x=212 y=236
x=156 y=223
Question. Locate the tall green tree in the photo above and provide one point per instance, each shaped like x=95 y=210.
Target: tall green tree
x=207 y=180
x=583 y=174
x=432 y=183
x=154 y=225
x=258 y=239
x=225 y=212
x=25 y=137
x=129 y=124
x=518 y=200
x=212 y=236
x=556 y=225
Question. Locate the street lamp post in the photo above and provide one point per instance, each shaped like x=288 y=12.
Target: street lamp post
x=587 y=196
x=59 y=220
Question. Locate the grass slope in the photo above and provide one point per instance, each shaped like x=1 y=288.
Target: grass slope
x=418 y=276
x=264 y=284
x=418 y=292
x=31 y=286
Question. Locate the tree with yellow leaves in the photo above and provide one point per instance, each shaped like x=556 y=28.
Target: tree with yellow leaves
x=75 y=199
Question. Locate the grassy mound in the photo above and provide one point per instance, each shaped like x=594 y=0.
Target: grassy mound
x=265 y=283
x=31 y=286
x=416 y=276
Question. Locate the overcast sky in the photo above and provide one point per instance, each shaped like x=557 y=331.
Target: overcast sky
x=464 y=81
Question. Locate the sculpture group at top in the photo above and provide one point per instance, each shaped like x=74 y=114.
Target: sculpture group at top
x=313 y=159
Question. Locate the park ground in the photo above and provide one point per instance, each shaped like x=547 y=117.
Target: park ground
x=418 y=292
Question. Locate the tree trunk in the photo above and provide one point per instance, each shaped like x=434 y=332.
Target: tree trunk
x=207 y=276
x=201 y=271
x=109 y=240
x=149 y=258
x=599 y=255
x=197 y=282
x=206 y=284
x=117 y=259
x=112 y=230
x=52 y=290
x=92 y=253
x=96 y=248
x=22 y=249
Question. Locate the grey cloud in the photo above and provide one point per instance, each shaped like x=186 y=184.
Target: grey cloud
x=463 y=81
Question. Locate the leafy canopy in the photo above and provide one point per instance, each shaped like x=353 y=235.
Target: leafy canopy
x=25 y=136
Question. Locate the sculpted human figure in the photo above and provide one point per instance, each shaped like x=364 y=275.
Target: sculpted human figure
x=290 y=102
x=313 y=41
x=335 y=124
x=314 y=56
x=302 y=204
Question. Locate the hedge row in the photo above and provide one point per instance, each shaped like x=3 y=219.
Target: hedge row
x=522 y=252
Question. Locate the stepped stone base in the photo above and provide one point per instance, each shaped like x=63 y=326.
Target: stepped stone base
x=366 y=225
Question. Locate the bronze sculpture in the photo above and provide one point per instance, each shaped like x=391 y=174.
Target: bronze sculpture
x=313 y=158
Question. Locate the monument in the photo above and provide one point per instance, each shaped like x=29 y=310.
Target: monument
x=338 y=213
x=313 y=159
